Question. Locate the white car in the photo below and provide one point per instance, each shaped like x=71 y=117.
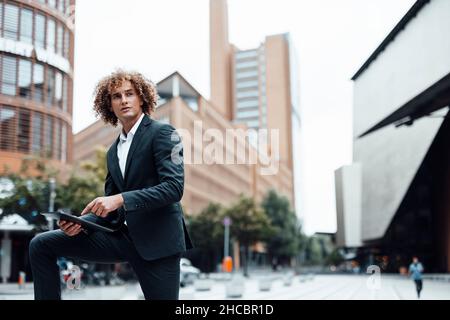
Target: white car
x=188 y=273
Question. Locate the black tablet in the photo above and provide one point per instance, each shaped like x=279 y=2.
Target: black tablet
x=59 y=215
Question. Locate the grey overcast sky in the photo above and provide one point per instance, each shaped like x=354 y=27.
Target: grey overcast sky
x=333 y=39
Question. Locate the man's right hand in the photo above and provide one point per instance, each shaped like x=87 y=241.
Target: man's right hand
x=70 y=228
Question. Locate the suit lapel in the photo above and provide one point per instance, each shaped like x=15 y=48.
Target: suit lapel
x=115 y=168
x=137 y=139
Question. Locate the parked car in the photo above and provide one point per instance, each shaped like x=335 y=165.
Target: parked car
x=188 y=273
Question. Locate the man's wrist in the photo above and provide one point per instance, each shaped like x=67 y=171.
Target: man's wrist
x=119 y=199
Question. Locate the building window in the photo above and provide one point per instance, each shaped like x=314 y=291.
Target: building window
x=57 y=139
x=51 y=29
x=26 y=26
x=247 y=94
x=9 y=75
x=59 y=39
x=38 y=82
x=66 y=43
x=247 y=84
x=25 y=78
x=192 y=102
x=247 y=64
x=64 y=94
x=36 y=140
x=52 y=3
x=23 y=128
x=39 y=31
x=248 y=104
x=1 y=18
x=64 y=143
x=61 y=6
x=11 y=24
x=58 y=89
x=48 y=137
x=7 y=128
x=248 y=113
x=50 y=86
x=246 y=54
x=67 y=5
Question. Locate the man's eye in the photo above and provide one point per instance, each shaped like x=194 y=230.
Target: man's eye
x=129 y=93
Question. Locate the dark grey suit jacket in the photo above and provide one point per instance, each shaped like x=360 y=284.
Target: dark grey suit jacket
x=152 y=190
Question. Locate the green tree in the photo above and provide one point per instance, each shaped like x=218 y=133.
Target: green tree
x=249 y=224
x=206 y=230
x=31 y=190
x=85 y=184
x=285 y=242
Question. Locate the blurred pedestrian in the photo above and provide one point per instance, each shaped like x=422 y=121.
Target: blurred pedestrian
x=415 y=271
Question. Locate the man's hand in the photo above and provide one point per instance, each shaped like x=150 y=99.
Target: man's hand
x=102 y=206
x=69 y=228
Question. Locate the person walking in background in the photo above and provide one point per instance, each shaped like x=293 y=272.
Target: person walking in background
x=415 y=271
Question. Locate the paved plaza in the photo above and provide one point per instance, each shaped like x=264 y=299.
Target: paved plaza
x=281 y=287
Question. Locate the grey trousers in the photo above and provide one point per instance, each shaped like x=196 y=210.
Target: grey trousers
x=159 y=279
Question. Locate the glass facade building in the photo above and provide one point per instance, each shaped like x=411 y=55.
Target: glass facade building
x=36 y=79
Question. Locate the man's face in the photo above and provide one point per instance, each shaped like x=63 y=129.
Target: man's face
x=415 y=260
x=126 y=103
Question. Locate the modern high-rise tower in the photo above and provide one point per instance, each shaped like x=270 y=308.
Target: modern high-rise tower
x=257 y=87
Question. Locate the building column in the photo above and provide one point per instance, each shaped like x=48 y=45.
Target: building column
x=5 y=257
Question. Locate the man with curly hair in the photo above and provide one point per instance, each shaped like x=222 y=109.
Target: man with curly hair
x=143 y=189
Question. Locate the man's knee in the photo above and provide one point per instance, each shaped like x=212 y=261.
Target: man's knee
x=37 y=245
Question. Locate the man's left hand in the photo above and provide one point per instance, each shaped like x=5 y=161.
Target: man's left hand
x=102 y=206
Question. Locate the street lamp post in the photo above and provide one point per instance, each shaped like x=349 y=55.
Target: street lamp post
x=227 y=262
x=51 y=202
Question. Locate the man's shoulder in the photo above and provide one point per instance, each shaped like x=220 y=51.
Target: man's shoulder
x=160 y=126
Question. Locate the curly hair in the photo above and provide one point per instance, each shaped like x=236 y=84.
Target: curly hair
x=144 y=88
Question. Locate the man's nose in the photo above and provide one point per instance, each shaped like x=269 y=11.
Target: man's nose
x=124 y=99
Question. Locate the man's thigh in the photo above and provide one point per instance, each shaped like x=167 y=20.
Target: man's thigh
x=98 y=246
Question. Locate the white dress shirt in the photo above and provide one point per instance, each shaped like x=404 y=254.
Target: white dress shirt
x=124 y=145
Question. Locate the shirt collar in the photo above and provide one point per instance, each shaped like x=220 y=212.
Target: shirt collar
x=133 y=130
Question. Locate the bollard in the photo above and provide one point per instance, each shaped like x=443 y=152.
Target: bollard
x=21 y=280
x=227 y=264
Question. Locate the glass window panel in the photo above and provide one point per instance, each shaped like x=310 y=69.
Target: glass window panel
x=36 y=141
x=7 y=128
x=26 y=25
x=51 y=29
x=67 y=5
x=57 y=128
x=66 y=43
x=39 y=31
x=52 y=3
x=38 y=81
x=48 y=137
x=25 y=78
x=61 y=6
x=50 y=86
x=9 y=75
x=11 y=23
x=1 y=16
x=64 y=94
x=59 y=40
x=23 y=134
x=58 y=89
x=64 y=143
